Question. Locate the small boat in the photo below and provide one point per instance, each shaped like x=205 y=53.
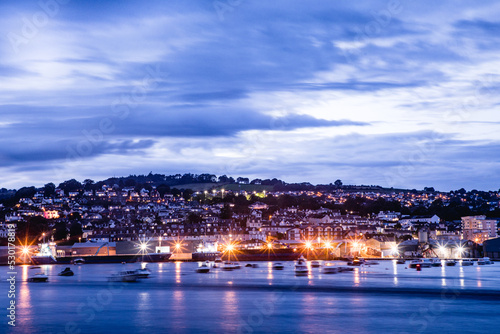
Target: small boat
x=203 y=269
x=38 y=277
x=484 y=261
x=422 y=263
x=218 y=259
x=301 y=260
x=301 y=270
x=436 y=263
x=66 y=272
x=143 y=273
x=467 y=262
x=230 y=266
x=450 y=263
x=124 y=276
x=35 y=267
x=315 y=264
x=79 y=261
x=248 y=265
x=278 y=266
x=356 y=262
x=342 y=269
x=329 y=269
x=400 y=261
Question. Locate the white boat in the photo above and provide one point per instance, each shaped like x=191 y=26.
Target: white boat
x=483 y=261
x=278 y=266
x=79 y=261
x=423 y=263
x=467 y=262
x=218 y=259
x=435 y=262
x=203 y=269
x=330 y=269
x=124 y=276
x=230 y=266
x=143 y=273
x=301 y=260
x=38 y=277
x=450 y=263
x=301 y=270
x=315 y=264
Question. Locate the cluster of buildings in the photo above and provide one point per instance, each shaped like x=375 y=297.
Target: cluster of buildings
x=116 y=215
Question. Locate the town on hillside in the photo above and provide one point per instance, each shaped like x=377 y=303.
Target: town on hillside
x=188 y=214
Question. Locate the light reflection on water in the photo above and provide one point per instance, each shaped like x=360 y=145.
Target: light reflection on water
x=177 y=299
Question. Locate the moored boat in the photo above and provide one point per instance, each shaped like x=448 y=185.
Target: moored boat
x=436 y=262
x=466 y=262
x=203 y=269
x=227 y=266
x=124 y=276
x=78 y=260
x=315 y=264
x=450 y=263
x=143 y=273
x=400 y=261
x=66 y=272
x=330 y=269
x=484 y=261
x=301 y=270
x=278 y=266
x=38 y=277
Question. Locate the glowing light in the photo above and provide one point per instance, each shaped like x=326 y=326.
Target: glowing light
x=177 y=246
x=269 y=245
x=442 y=249
x=328 y=244
x=308 y=244
x=144 y=246
x=230 y=247
x=394 y=249
x=25 y=250
x=355 y=244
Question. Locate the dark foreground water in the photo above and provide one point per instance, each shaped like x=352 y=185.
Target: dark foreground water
x=384 y=298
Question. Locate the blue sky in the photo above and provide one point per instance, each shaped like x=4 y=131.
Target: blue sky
x=394 y=93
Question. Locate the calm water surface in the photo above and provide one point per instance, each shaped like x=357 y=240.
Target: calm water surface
x=384 y=298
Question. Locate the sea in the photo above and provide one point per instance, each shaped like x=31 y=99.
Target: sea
x=376 y=298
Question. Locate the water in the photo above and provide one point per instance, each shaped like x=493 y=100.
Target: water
x=384 y=298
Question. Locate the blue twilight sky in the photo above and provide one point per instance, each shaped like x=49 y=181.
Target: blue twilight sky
x=396 y=93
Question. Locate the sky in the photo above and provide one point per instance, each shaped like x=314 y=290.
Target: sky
x=394 y=93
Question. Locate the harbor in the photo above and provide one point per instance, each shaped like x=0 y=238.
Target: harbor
x=258 y=299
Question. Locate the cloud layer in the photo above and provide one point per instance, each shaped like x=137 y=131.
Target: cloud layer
x=399 y=94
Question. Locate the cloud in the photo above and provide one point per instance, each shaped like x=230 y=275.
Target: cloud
x=325 y=88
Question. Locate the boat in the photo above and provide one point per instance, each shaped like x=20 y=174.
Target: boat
x=450 y=263
x=78 y=261
x=330 y=269
x=143 y=273
x=66 y=272
x=301 y=260
x=230 y=266
x=38 y=277
x=203 y=269
x=218 y=259
x=248 y=265
x=422 y=263
x=356 y=262
x=278 y=266
x=315 y=264
x=400 y=261
x=436 y=263
x=124 y=276
x=301 y=270
x=484 y=261
x=467 y=262
x=35 y=267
